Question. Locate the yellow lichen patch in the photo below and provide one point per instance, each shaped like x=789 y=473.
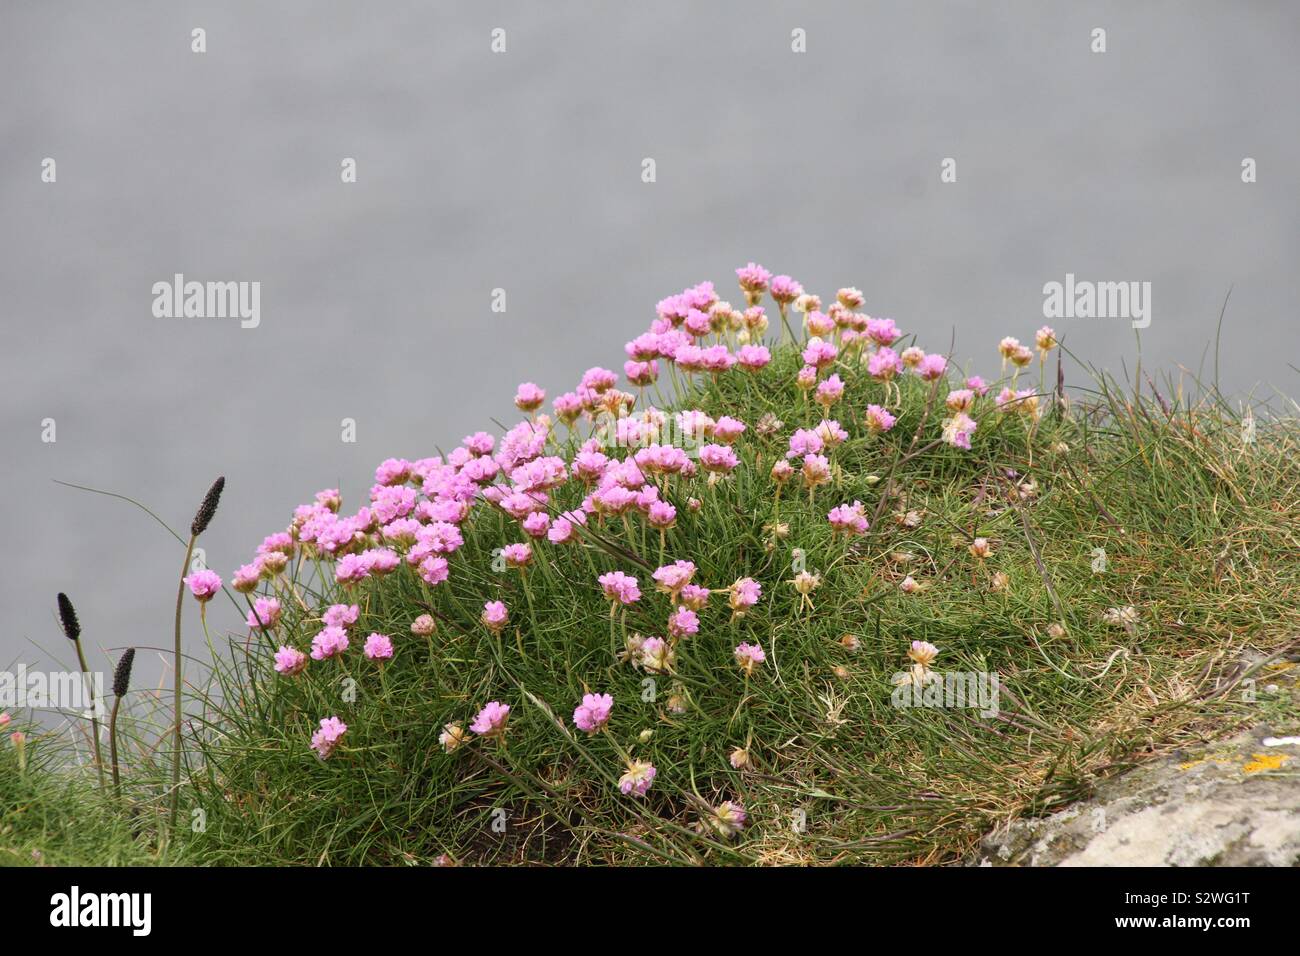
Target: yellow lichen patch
x=1265 y=762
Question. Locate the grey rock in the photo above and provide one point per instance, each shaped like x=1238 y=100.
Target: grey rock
x=1234 y=803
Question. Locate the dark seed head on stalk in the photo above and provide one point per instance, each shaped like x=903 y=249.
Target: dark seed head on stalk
x=209 y=508
x=68 y=618
x=122 y=675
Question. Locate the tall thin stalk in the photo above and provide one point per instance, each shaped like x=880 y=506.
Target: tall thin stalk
x=72 y=629
x=202 y=518
x=121 y=681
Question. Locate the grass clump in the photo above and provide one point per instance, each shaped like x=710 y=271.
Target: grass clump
x=700 y=621
x=52 y=817
x=1104 y=555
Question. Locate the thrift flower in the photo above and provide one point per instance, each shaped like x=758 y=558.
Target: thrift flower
x=671 y=578
x=423 y=626
x=331 y=642
x=491 y=720
x=620 y=588
x=327 y=738
x=379 y=647
x=931 y=367
x=203 y=585
x=879 y=419
x=743 y=595
x=638 y=778
x=452 y=736
x=958 y=429
x=682 y=622
x=749 y=656
x=290 y=661
x=341 y=615
x=264 y=615
x=517 y=555
x=728 y=819
x=593 y=713
x=529 y=398
x=848 y=519
x=494 y=616
x=657 y=655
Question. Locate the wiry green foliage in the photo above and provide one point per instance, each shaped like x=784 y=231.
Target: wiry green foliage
x=1199 y=535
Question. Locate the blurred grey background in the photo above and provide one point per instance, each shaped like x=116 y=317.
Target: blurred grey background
x=522 y=171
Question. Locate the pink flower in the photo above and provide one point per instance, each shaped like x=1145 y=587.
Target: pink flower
x=491 y=720
x=816 y=470
x=977 y=385
x=848 y=519
x=341 y=615
x=804 y=442
x=958 y=429
x=744 y=595
x=727 y=429
x=641 y=373
x=671 y=578
x=264 y=615
x=960 y=399
x=830 y=391
x=290 y=661
x=694 y=596
x=683 y=621
x=749 y=656
x=351 y=568
x=819 y=354
x=931 y=367
x=204 y=584
x=620 y=588
x=434 y=570
x=494 y=616
x=568 y=407
x=883 y=331
x=327 y=738
x=718 y=458
x=330 y=642
x=819 y=323
x=878 y=419
x=593 y=713
x=638 y=778
x=599 y=379
x=752 y=358
x=528 y=397
x=728 y=819
x=537 y=524
x=661 y=515
x=517 y=555
x=753 y=278
x=391 y=471
x=379 y=647
x=246 y=578
x=784 y=289
x=884 y=364
x=562 y=529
